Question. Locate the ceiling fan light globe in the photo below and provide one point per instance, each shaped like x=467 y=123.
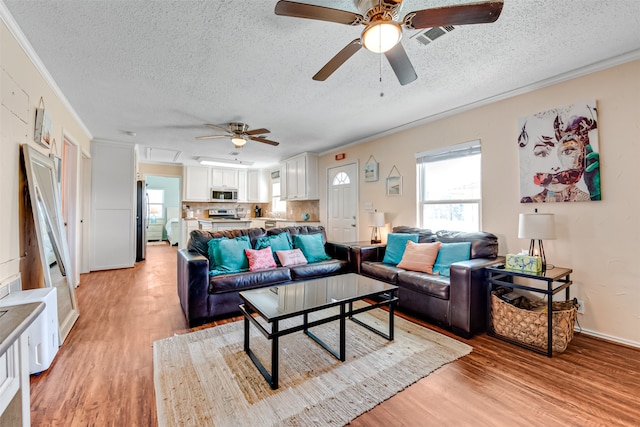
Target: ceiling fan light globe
x=238 y=141
x=381 y=36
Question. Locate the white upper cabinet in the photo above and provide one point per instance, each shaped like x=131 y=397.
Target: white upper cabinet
x=196 y=183
x=258 y=186
x=224 y=178
x=242 y=186
x=299 y=177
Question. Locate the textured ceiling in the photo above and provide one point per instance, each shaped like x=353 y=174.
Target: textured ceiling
x=162 y=69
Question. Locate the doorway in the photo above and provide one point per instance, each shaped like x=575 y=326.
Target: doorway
x=70 y=203
x=342 y=203
x=163 y=212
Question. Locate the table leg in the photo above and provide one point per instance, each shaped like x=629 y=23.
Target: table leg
x=274 y=357
x=550 y=325
x=246 y=334
x=391 y=319
x=343 y=322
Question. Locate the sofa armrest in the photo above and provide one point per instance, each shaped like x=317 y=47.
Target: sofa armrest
x=337 y=251
x=365 y=253
x=468 y=295
x=193 y=285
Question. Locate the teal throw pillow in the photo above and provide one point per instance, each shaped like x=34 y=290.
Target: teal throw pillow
x=232 y=253
x=311 y=246
x=396 y=242
x=277 y=242
x=213 y=252
x=450 y=253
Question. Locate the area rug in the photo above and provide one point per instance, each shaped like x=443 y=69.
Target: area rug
x=205 y=378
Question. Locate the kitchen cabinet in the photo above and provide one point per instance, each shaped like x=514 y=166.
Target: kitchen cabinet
x=257 y=186
x=298 y=223
x=186 y=227
x=243 y=191
x=196 y=184
x=299 y=179
x=224 y=178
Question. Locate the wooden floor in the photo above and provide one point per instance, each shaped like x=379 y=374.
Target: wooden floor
x=103 y=373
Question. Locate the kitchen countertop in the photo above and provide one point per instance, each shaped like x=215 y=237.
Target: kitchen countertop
x=14 y=320
x=212 y=220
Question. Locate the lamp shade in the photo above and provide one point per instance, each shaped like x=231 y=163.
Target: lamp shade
x=378 y=219
x=381 y=36
x=539 y=226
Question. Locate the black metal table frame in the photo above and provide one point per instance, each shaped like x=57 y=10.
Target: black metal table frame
x=346 y=310
x=496 y=276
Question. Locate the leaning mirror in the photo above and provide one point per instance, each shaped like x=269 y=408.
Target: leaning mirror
x=52 y=246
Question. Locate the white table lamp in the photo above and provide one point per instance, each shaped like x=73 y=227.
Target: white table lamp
x=378 y=221
x=537 y=226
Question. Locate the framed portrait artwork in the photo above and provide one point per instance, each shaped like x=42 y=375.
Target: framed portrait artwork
x=559 y=155
x=371 y=170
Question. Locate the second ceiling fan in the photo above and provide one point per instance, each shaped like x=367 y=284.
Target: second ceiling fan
x=239 y=134
x=383 y=30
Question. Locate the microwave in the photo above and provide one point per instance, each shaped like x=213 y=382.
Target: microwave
x=224 y=195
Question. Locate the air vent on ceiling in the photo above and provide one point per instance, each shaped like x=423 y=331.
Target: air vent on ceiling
x=427 y=36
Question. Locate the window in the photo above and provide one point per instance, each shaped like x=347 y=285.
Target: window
x=155 y=204
x=277 y=205
x=449 y=188
x=341 y=179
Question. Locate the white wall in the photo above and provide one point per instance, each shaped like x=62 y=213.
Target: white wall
x=597 y=239
x=22 y=86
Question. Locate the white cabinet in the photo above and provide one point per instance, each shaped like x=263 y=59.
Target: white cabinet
x=299 y=179
x=113 y=207
x=257 y=186
x=243 y=191
x=154 y=232
x=186 y=227
x=197 y=184
x=224 y=178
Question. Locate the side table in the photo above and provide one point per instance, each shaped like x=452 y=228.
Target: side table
x=556 y=279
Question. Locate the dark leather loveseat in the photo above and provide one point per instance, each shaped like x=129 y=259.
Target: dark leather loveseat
x=204 y=297
x=457 y=302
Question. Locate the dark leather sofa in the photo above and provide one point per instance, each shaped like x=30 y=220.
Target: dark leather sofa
x=204 y=298
x=457 y=302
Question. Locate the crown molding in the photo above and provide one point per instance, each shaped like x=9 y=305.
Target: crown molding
x=560 y=78
x=19 y=36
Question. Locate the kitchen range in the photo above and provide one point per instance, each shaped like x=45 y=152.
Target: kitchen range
x=225 y=219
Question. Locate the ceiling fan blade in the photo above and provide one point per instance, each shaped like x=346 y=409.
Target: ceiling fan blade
x=212 y=136
x=217 y=127
x=401 y=64
x=266 y=141
x=299 y=10
x=472 y=13
x=260 y=131
x=335 y=62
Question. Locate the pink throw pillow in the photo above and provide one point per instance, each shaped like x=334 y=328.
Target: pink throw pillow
x=291 y=257
x=420 y=256
x=260 y=259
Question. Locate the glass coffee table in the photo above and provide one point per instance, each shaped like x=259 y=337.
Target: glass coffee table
x=277 y=303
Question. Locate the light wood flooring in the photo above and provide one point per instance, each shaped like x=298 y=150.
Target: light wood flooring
x=103 y=373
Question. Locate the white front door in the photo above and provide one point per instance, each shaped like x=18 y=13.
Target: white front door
x=342 y=203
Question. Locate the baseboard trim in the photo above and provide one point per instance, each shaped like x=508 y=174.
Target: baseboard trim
x=607 y=337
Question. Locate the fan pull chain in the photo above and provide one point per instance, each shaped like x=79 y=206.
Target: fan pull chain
x=381 y=86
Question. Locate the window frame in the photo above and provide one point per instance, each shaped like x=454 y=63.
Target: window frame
x=162 y=205
x=458 y=151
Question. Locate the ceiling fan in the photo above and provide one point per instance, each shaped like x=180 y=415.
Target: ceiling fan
x=239 y=134
x=383 y=30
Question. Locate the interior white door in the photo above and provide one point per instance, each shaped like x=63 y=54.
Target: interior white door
x=342 y=203
x=70 y=203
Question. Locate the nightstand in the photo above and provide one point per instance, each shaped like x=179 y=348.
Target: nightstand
x=154 y=232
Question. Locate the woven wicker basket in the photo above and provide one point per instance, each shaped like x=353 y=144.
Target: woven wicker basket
x=530 y=327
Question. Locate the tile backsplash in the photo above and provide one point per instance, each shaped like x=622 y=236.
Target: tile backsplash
x=294 y=211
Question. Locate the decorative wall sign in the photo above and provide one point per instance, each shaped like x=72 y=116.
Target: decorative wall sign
x=394 y=182
x=559 y=157
x=43 y=126
x=371 y=170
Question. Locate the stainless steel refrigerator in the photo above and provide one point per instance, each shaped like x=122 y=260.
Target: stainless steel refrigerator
x=141 y=220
